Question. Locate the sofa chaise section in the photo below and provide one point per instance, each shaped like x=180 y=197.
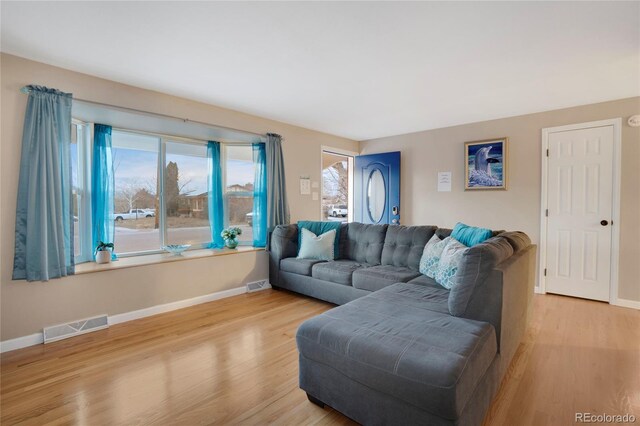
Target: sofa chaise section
x=382 y=341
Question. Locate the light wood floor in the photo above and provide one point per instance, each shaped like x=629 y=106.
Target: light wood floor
x=234 y=361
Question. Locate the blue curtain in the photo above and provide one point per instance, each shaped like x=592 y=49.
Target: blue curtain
x=44 y=210
x=215 y=198
x=102 y=187
x=277 y=204
x=260 y=195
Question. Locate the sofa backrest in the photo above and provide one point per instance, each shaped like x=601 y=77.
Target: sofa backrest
x=403 y=245
x=362 y=243
x=477 y=262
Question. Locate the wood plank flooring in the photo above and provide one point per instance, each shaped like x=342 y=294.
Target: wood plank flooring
x=234 y=361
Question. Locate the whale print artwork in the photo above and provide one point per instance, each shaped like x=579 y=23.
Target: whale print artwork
x=486 y=164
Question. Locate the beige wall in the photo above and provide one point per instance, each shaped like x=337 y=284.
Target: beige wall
x=27 y=307
x=426 y=153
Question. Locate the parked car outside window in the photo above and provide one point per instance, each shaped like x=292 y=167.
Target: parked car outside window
x=338 y=210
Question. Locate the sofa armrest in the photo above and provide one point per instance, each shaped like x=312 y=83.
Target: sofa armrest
x=283 y=243
x=504 y=299
x=518 y=282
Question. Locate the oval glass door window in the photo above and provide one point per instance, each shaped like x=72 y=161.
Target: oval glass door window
x=376 y=196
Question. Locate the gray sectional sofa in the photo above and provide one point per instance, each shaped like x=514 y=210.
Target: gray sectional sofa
x=401 y=349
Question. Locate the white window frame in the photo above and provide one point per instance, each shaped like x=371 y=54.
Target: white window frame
x=84 y=148
x=84 y=188
x=162 y=167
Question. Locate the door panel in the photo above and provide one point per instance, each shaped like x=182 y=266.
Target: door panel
x=377 y=188
x=580 y=184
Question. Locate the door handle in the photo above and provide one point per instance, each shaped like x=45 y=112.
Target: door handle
x=604 y=222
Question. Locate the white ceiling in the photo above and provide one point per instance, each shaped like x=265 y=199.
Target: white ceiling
x=355 y=69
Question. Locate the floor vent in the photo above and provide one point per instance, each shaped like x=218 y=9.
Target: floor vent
x=257 y=286
x=63 y=331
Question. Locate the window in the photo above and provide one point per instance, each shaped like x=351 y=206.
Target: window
x=135 y=166
x=337 y=177
x=238 y=183
x=186 y=193
x=161 y=191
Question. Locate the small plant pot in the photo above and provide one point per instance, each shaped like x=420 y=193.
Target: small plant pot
x=103 y=256
x=231 y=243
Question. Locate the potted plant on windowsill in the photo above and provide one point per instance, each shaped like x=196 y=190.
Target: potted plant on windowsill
x=230 y=236
x=103 y=252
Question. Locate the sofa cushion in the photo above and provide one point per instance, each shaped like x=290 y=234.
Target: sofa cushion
x=476 y=264
x=298 y=266
x=390 y=342
x=337 y=271
x=377 y=277
x=363 y=243
x=426 y=293
x=403 y=245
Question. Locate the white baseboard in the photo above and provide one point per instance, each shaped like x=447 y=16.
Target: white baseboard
x=172 y=306
x=21 y=342
x=538 y=290
x=626 y=303
x=37 y=338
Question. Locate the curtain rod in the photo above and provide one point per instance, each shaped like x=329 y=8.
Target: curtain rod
x=26 y=90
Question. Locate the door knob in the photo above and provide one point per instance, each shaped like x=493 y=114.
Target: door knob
x=604 y=222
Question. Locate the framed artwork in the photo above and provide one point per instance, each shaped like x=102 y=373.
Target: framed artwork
x=485 y=164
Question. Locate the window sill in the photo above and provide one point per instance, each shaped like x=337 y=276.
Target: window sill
x=151 y=259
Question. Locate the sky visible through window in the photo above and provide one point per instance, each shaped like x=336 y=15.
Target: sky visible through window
x=133 y=164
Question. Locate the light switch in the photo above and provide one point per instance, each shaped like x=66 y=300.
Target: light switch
x=314 y=196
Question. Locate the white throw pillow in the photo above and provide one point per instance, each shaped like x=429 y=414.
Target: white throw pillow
x=449 y=264
x=320 y=247
x=431 y=256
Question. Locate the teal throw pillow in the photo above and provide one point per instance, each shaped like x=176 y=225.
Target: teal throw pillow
x=470 y=235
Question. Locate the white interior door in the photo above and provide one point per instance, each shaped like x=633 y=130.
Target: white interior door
x=580 y=194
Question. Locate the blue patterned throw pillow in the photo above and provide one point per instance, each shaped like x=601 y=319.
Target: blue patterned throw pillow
x=431 y=256
x=449 y=264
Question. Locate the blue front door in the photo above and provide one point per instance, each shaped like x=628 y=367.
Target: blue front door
x=377 y=188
